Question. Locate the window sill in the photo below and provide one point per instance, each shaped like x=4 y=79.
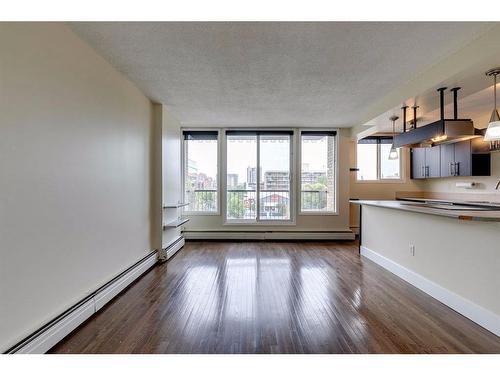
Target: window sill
x=259 y=223
x=318 y=213
x=199 y=213
x=385 y=181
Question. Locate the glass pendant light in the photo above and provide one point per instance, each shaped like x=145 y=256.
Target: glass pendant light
x=493 y=131
x=393 y=154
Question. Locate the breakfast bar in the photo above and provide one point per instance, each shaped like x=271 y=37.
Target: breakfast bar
x=449 y=250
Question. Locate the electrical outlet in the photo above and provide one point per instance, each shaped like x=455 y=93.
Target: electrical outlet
x=412 y=250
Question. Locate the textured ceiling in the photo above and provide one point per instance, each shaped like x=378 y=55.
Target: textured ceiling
x=272 y=74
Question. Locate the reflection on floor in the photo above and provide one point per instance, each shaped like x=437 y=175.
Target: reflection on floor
x=275 y=297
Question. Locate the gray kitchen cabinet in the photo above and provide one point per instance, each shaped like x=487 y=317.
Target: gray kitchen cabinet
x=432 y=162
x=425 y=162
x=466 y=158
x=456 y=159
x=463 y=158
x=418 y=163
x=447 y=160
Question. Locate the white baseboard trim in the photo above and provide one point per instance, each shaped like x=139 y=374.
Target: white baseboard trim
x=45 y=338
x=106 y=294
x=175 y=248
x=474 y=312
x=42 y=343
x=233 y=235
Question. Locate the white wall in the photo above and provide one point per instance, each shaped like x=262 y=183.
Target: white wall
x=75 y=174
x=171 y=176
x=485 y=185
x=461 y=256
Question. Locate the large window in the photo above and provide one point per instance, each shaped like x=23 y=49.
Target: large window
x=317 y=175
x=258 y=176
x=200 y=171
x=373 y=163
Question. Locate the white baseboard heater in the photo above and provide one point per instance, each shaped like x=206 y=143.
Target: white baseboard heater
x=269 y=235
x=50 y=334
x=172 y=248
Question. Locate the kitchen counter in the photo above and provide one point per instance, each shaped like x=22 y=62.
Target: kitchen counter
x=451 y=253
x=417 y=205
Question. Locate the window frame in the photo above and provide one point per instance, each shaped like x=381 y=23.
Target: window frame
x=292 y=200
x=299 y=173
x=186 y=212
x=380 y=180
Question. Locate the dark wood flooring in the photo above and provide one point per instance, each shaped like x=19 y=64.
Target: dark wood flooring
x=275 y=297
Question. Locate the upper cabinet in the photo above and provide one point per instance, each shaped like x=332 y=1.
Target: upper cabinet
x=456 y=159
x=466 y=158
x=425 y=162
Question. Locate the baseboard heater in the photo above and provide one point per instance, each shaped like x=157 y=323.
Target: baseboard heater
x=50 y=334
x=269 y=235
x=172 y=248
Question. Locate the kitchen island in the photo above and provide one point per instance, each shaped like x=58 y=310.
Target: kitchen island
x=451 y=253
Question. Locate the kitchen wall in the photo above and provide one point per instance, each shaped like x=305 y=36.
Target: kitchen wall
x=75 y=152
x=485 y=185
x=458 y=255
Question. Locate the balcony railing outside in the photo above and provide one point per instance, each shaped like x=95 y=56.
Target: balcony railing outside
x=314 y=200
x=202 y=200
x=242 y=204
x=274 y=205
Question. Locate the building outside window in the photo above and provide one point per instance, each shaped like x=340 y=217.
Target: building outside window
x=258 y=176
x=201 y=171
x=372 y=159
x=317 y=175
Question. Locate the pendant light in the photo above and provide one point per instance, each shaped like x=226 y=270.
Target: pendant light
x=393 y=154
x=493 y=131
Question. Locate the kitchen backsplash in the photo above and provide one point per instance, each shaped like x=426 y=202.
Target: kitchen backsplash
x=483 y=185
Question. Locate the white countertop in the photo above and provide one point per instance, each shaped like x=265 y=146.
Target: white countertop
x=416 y=206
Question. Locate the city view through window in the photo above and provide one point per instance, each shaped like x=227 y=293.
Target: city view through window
x=258 y=170
x=264 y=195
x=317 y=172
x=373 y=163
x=200 y=173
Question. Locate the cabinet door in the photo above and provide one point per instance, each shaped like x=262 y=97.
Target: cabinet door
x=433 y=161
x=447 y=160
x=463 y=158
x=418 y=162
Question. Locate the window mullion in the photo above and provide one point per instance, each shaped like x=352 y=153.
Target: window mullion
x=257 y=190
x=379 y=163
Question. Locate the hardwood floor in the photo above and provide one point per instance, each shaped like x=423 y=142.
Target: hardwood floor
x=275 y=297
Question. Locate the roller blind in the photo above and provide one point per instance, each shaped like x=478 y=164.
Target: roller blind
x=376 y=140
x=200 y=135
x=259 y=132
x=319 y=133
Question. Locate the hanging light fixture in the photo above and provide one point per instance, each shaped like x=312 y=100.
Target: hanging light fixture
x=493 y=131
x=393 y=154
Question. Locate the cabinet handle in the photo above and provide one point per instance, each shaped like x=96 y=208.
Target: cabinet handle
x=422 y=172
x=452 y=173
x=457 y=169
x=427 y=171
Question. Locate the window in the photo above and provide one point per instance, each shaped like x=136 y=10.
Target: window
x=372 y=158
x=258 y=176
x=200 y=171
x=317 y=174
